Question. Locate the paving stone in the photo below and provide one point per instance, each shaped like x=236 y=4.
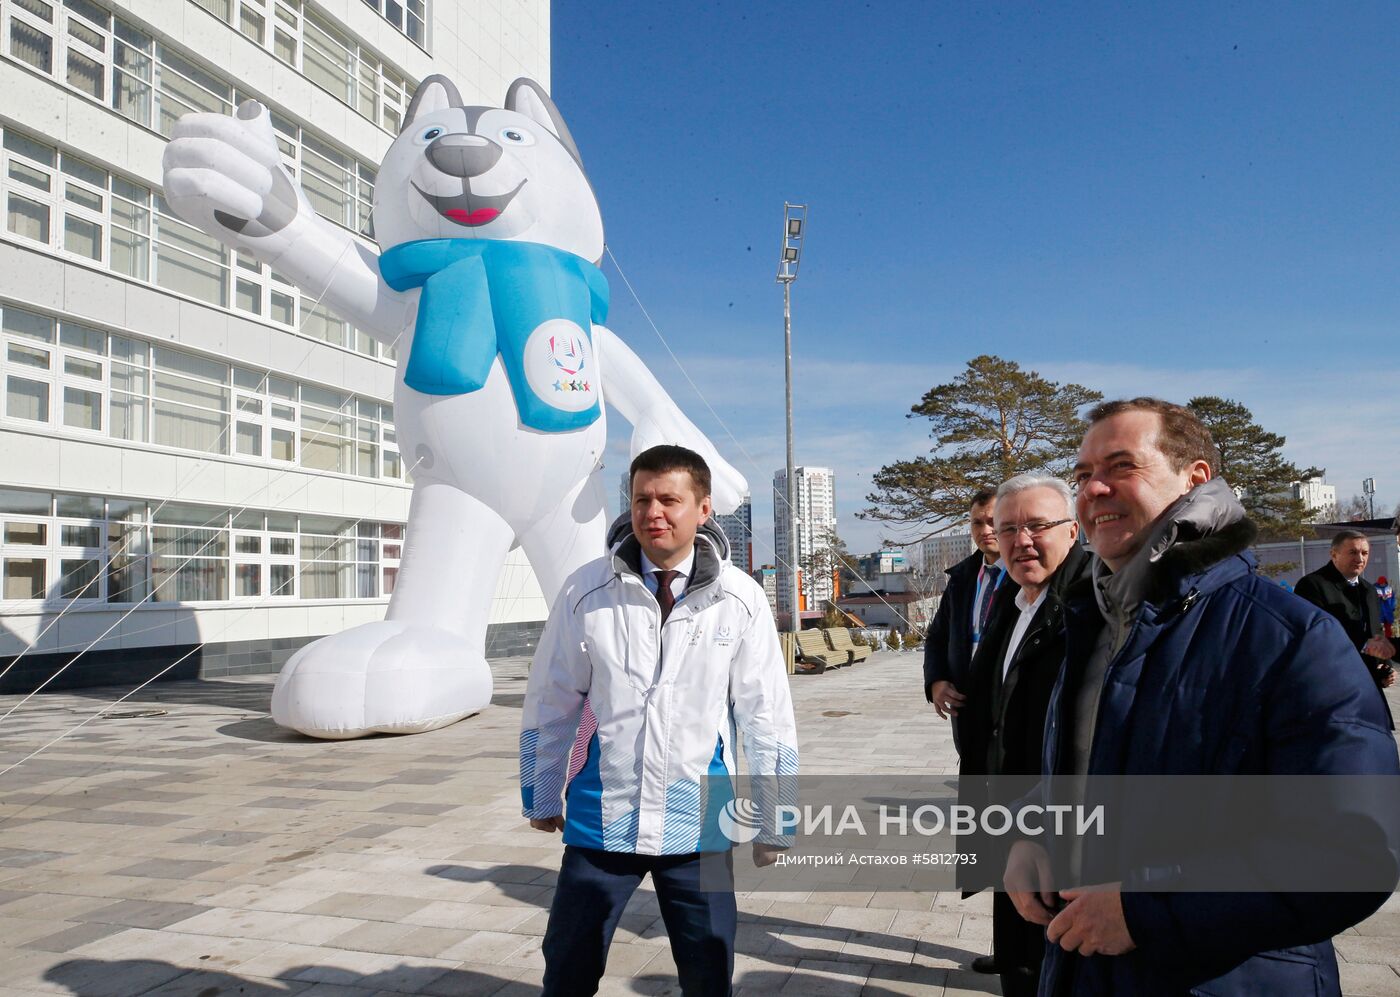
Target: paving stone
x=1369 y=980
x=912 y=980
x=166 y=869
x=73 y=937
x=821 y=978
x=20 y=858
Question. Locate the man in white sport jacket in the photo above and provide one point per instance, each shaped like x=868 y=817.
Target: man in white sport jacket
x=677 y=653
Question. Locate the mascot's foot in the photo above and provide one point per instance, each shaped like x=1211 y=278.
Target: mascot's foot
x=381 y=678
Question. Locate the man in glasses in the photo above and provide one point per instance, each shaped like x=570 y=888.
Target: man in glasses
x=1182 y=660
x=974 y=585
x=1013 y=671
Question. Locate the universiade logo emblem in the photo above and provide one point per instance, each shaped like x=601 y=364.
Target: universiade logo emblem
x=567 y=352
x=739 y=820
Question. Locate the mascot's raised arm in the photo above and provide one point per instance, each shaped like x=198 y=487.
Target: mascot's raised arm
x=487 y=280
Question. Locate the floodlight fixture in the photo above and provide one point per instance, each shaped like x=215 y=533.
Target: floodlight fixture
x=794 y=225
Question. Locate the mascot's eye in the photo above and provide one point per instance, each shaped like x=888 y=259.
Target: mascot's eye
x=431 y=134
x=517 y=136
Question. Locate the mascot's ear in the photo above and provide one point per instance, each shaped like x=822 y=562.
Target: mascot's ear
x=527 y=97
x=436 y=93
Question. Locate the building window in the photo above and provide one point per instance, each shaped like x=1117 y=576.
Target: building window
x=69 y=369
x=153 y=84
x=188 y=261
x=409 y=16
x=326 y=55
x=74 y=208
x=190 y=402
x=352 y=73
x=30 y=35
x=71 y=375
x=121 y=551
x=189 y=554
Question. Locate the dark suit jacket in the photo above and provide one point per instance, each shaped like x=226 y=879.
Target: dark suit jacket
x=948 y=640
x=1003 y=723
x=1008 y=714
x=1326 y=589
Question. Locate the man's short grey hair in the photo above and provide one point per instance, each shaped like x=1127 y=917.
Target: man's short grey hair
x=1025 y=482
x=1345 y=536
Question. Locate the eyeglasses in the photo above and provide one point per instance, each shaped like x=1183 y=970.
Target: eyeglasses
x=1035 y=530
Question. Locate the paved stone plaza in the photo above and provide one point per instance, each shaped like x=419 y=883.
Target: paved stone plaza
x=205 y=852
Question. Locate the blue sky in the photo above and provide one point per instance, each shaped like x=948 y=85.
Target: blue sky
x=1169 y=199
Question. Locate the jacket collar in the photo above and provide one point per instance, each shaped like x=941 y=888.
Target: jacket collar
x=1074 y=569
x=711 y=552
x=1330 y=573
x=1198 y=531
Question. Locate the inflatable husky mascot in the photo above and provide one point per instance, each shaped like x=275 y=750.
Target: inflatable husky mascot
x=488 y=283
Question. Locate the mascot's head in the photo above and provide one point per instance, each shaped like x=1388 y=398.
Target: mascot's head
x=459 y=172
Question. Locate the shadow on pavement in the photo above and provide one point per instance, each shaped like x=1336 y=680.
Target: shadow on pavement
x=778 y=938
x=125 y=977
x=263 y=729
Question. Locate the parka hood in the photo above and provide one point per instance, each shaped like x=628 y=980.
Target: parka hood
x=1203 y=527
x=711 y=548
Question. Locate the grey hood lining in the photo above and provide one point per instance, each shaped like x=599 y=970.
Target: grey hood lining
x=1205 y=510
x=711 y=550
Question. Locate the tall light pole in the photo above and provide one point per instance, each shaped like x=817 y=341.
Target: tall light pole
x=794 y=226
x=1368 y=488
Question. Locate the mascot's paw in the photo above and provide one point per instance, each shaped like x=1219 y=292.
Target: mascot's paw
x=388 y=677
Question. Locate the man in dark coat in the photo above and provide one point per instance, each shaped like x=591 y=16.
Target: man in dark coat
x=1181 y=660
x=1339 y=589
x=974 y=585
x=1013 y=672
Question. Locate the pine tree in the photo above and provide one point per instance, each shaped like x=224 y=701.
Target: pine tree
x=1251 y=460
x=993 y=421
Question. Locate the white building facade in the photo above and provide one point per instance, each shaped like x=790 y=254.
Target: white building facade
x=932 y=557
x=1318 y=497
x=195 y=457
x=815 y=505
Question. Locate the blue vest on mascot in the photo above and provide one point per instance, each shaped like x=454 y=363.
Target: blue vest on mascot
x=482 y=298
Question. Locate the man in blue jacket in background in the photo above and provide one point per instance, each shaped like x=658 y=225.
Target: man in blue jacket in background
x=1181 y=660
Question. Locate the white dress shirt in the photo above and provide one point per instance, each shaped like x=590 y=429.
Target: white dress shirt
x=1023 y=623
x=678 y=583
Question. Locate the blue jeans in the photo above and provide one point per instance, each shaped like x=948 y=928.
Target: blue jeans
x=594 y=887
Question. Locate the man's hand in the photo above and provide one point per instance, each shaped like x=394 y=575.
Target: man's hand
x=1092 y=923
x=766 y=854
x=946 y=699
x=550 y=824
x=1379 y=647
x=1028 y=882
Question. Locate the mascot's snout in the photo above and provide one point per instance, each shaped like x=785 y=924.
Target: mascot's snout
x=463 y=155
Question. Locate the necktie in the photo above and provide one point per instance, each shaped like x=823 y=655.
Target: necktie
x=993 y=575
x=664 y=595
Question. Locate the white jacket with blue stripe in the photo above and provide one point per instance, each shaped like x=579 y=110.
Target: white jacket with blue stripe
x=669 y=700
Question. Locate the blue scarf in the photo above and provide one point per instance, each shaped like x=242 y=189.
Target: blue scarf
x=484 y=297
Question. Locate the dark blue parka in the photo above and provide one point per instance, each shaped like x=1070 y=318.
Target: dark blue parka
x=1223 y=672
